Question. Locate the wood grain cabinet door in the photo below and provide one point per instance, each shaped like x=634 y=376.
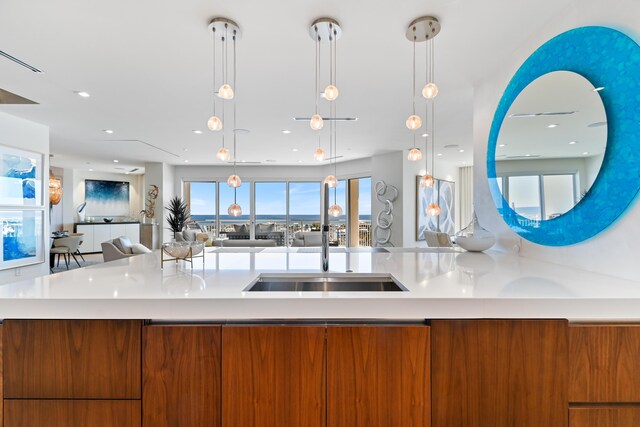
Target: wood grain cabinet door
x=605 y=363
x=499 y=373
x=604 y=417
x=273 y=376
x=72 y=359
x=72 y=413
x=181 y=375
x=378 y=376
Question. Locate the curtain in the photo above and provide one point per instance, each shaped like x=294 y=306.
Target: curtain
x=466 y=195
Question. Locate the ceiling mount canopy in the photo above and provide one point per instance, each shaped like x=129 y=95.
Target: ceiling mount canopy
x=423 y=29
x=327 y=29
x=219 y=25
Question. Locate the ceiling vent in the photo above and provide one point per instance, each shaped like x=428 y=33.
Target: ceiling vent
x=7 y=97
x=144 y=143
x=19 y=62
x=543 y=114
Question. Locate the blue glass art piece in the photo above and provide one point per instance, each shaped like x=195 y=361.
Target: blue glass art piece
x=609 y=59
x=21 y=238
x=106 y=198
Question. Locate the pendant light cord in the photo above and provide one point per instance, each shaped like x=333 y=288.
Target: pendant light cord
x=235 y=85
x=317 y=70
x=214 y=70
x=223 y=43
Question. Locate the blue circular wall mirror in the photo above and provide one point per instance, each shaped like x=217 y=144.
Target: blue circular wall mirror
x=563 y=157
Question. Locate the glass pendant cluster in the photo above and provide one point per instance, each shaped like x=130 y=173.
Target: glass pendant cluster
x=324 y=30
x=226 y=32
x=425 y=29
x=223 y=31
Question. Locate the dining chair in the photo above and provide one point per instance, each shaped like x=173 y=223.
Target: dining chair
x=68 y=246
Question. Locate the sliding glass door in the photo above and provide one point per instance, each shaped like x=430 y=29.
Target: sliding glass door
x=271 y=211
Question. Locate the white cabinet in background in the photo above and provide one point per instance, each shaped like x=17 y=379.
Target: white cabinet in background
x=95 y=234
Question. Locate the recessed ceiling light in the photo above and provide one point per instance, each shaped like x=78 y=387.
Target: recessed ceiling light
x=197 y=132
x=573 y=142
x=585 y=153
x=286 y=131
x=243 y=161
x=294 y=150
x=299 y=161
x=502 y=145
x=461 y=151
x=451 y=146
x=83 y=94
x=186 y=161
x=109 y=131
x=185 y=150
x=598 y=89
x=527 y=155
x=424 y=135
x=116 y=161
x=554 y=125
x=90 y=170
x=439 y=154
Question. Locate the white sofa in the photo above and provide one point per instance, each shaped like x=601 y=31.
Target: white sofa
x=121 y=247
x=307 y=238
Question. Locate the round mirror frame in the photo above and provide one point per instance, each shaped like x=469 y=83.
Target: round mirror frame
x=609 y=59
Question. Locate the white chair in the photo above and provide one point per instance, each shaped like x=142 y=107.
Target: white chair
x=121 y=247
x=67 y=246
x=307 y=239
x=437 y=239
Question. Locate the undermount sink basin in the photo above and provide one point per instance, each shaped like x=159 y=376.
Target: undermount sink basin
x=327 y=283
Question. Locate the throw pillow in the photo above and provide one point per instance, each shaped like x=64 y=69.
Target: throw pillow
x=190 y=235
x=123 y=244
x=138 y=248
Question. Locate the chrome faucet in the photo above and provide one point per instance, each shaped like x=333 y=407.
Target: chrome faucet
x=325 y=228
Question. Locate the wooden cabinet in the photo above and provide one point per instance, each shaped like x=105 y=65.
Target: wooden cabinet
x=273 y=376
x=605 y=363
x=617 y=416
x=378 y=376
x=72 y=359
x=72 y=413
x=181 y=376
x=499 y=373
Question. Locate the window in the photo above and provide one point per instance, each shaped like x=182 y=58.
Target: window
x=304 y=207
x=271 y=211
x=338 y=225
x=538 y=197
x=235 y=227
x=360 y=212
x=201 y=202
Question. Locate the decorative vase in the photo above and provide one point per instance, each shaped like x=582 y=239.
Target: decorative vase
x=474 y=238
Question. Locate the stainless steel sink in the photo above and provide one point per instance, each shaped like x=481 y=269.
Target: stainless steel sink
x=326 y=283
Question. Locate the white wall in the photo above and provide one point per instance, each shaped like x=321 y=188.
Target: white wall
x=389 y=168
x=28 y=135
x=614 y=251
x=56 y=220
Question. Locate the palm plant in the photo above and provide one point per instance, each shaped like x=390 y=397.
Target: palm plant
x=178 y=214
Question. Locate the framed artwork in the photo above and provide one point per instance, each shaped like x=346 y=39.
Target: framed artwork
x=22 y=238
x=444 y=192
x=106 y=198
x=21 y=183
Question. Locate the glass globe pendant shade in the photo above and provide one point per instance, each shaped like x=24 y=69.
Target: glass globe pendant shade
x=223 y=154
x=414 y=154
x=335 y=211
x=234 y=181
x=331 y=181
x=234 y=209
x=331 y=93
x=225 y=92
x=214 y=124
x=414 y=122
x=319 y=154
x=430 y=90
x=433 y=209
x=316 y=122
x=426 y=181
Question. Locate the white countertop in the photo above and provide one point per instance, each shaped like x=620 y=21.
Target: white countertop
x=441 y=284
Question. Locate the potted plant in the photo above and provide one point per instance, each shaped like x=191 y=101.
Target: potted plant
x=178 y=215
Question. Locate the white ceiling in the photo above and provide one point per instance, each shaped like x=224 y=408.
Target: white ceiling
x=147 y=66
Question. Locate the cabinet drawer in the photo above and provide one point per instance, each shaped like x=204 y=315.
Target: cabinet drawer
x=605 y=363
x=604 y=417
x=75 y=359
x=72 y=413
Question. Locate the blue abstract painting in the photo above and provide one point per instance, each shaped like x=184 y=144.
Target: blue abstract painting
x=106 y=198
x=21 y=238
x=20 y=177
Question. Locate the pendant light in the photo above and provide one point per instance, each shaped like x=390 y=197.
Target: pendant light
x=214 y=123
x=414 y=122
x=335 y=210
x=317 y=122
x=425 y=29
x=223 y=30
x=319 y=153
